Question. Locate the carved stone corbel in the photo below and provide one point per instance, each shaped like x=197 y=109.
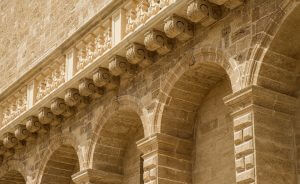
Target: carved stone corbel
x=204 y=12
x=69 y=111
x=58 y=106
x=2 y=148
x=45 y=115
x=113 y=84
x=118 y=65
x=101 y=77
x=138 y=54
x=33 y=124
x=9 y=152
x=72 y=97
x=57 y=120
x=9 y=140
x=20 y=145
x=157 y=41
x=86 y=87
x=179 y=27
x=21 y=132
x=44 y=129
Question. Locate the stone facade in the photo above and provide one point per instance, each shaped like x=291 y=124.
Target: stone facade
x=150 y=91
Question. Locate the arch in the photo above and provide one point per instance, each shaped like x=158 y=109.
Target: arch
x=114 y=150
x=263 y=47
x=191 y=60
x=195 y=86
x=121 y=103
x=12 y=177
x=60 y=143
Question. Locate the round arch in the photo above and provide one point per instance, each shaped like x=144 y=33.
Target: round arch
x=264 y=47
x=119 y=104
x=62 y=143
x=190 y=61
x=113 y=149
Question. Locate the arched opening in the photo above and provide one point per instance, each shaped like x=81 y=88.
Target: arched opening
x=12 y=177
x=280 y=71
x=195 y=111
x=116 y=152
x=62 y=164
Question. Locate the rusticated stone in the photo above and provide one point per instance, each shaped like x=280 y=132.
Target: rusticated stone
x=9 y=140
x=157 y=41
x=118 y=65
x=204 y=12
x=178 y=27
x=138 y=54
x=33 y=124
x=101 y=77
x=45 y=115
x=58 y=106
x=72 y=97
x=21 y=132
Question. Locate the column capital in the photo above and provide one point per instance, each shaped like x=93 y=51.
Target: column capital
x=256 y=96
x=164 y=144
x=90 y=176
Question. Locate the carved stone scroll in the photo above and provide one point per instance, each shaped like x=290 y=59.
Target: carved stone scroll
x=101 y=77
x=138 y=54
x=157 y=41
x=118 y=65
x=179 y=27
x=21 y=132
x=72 y=97
x=9 y=140
x=58 y=106
x=45 y=115
x=204 y=12
x=86 y=87
x=33 y=124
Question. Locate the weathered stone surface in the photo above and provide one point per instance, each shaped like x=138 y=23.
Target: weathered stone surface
x=213 y=101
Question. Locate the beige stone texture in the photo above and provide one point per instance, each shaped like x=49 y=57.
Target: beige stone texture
x=150 y=92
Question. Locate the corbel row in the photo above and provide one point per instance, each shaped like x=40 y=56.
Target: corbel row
x=106 y=79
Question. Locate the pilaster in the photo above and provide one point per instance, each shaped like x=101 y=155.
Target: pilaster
x=93 y=176
x=263 y=136
x=167 y=159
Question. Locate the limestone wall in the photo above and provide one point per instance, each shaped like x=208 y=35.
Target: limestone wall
x=30 y=29
x=214 y=156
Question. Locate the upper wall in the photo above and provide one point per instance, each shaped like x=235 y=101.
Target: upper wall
x=30 y=29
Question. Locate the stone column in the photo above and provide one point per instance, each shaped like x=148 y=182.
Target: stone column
x=93 y=176
x=263 y=136
x=167 y=159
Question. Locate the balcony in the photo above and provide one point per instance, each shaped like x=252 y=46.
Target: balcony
x=121 y=42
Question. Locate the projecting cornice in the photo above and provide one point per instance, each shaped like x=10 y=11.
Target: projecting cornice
x=119 y=44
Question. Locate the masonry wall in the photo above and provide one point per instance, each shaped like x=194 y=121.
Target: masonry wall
x=30 y=29
x=214 y=156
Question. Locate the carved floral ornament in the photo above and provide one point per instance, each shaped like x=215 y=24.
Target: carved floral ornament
x=96 y=43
